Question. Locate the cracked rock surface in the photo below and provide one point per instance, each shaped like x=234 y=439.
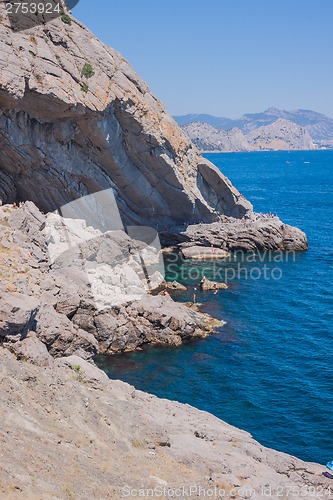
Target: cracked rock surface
x=67 y=431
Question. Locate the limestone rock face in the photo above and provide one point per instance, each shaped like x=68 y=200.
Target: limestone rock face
x=64 y=135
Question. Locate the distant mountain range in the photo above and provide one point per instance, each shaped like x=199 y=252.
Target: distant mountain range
x=280 y=135
x=318 y=126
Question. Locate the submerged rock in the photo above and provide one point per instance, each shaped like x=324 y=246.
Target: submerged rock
x=204 y=253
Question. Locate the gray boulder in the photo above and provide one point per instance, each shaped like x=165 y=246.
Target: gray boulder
x=31 y=349
x=62 y=337
x=173 y=285
x=17 y=315
x=212 y=285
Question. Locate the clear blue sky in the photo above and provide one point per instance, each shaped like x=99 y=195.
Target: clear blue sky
x=223 y=57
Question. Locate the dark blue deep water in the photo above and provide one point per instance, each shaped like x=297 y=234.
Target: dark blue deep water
x=269 y=369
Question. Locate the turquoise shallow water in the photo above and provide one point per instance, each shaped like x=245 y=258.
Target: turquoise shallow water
x=269 y=370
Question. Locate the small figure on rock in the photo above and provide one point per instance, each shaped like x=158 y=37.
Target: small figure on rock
x=329 y=466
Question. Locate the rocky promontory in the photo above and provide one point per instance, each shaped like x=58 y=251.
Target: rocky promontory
x=247 y=235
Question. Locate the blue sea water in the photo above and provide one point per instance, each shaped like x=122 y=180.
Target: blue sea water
x=269 y=369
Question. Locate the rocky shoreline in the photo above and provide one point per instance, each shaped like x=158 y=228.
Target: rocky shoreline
x=57 y=301
x=64 y=411
x=106 y=308
x=73 y=286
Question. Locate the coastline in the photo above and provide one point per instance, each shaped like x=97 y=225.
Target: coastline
x=266 y=151
x=70 y=288
x=169 y=432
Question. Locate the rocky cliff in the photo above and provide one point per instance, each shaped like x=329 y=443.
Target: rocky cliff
x=280 y=135
x=76 y=119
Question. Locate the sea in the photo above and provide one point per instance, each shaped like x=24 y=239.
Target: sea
x=268 y=370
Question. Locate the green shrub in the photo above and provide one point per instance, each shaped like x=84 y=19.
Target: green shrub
x=84 y=87
x=66 y=18
x=79 y=373
x=87 y=71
